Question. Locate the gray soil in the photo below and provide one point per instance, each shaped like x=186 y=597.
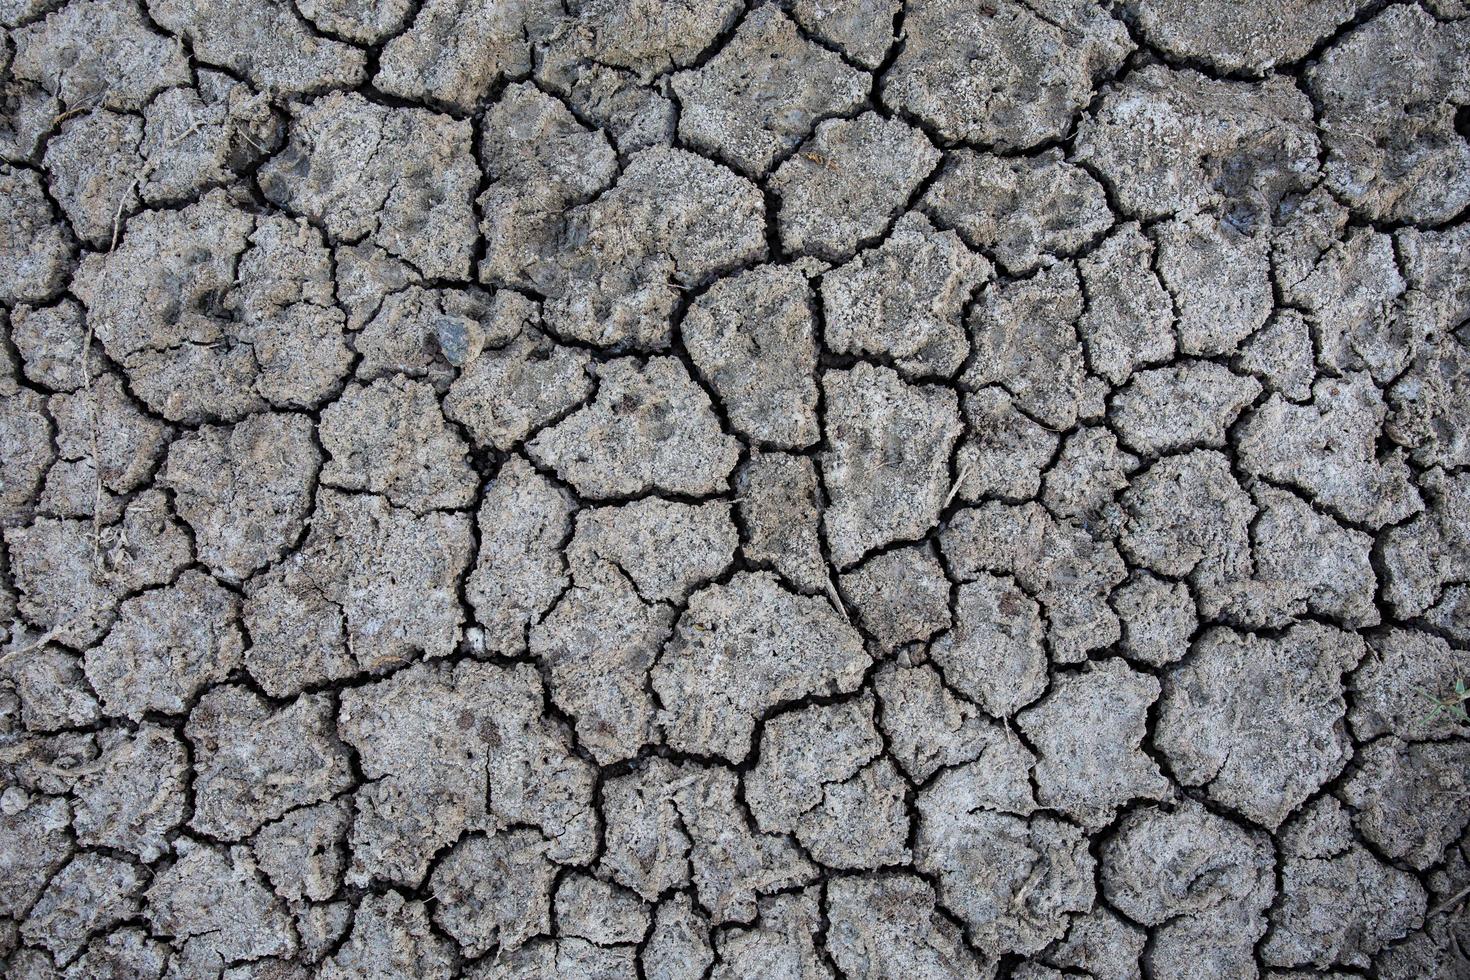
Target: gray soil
x=611 y=489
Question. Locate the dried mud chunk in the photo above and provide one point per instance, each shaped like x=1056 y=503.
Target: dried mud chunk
x=301 y=852
x=996 y=653
x=1025 y=339
x=1258 y=722
x=539 y=161
x=196 y=138
x=1392 y=147
x=504 y=395
x=846 y=183
x=598 y=643
x=1158 y=618
x=1015 y=882
x=861 y=29
x=494 y=891
x=902 y=300
x=245 y=489
x=49 y=682
x=1011 y=75
x=1082 y=483
x=1433 y=262
x=783 y=943
x=1200 y=881
x=1429 y=406
x=861 y=823
x=1187 y=405
x=415 y=177
x=456 y=50
x=123 y=954
x=1022 y=210
x=362 y=22
x=598 y=911
x=254 y=763
x=93 y=163
x=413 y=330
x=1432 y=550
x=1101 y=944
x=672 y=222
x=741 y=648
x=901 y=596
x=1281 y=355
x=100 y=429
x=753 y=338
x=132 y=795
x=1088 y=734
x=390 y=438
x=34 y=845
x=927 y=727
x=1188 y=516
x=890 y=927
x=1006 y=452
x=1406 y=797
x=1220 y=281
x=1175 y=142
x=1389 y=686
x=95 y=52
x=391 y=937
x=649 y=428
x=50 y=342
x=35 y=251
x=437 y=742
x=26 y=434
x=1353 y=297
x=665 y=548
x=649 y=41
x=328 y=609
x=763 y=92
x=678 y=948
x=1340 y=909
x=1061 y=565
x=519 y=570
x=216 y=909
x=90 y=895
x=1329 y=450
x=167 y=646
x=1129 y=320
x=887 y=465
x=368 y=279
x=1232 y=38
x=254 y=322
x=801 y=752
x=778 y=501
x=573 y=959
x=229 y=33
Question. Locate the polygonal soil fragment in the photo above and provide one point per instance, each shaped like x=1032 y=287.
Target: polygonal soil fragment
x=753 y=338
x=26 y=436
x=98 y=52
x=519 y=571
x=1220 y=281
x=93 y=163
x=1188 y=516
x=390 y=438
x=861 y=823
x=742 y=648
x=1280 y=354
x=1102 y=944
x=901 y=301
x=1390 y=686
x=1175 y=142
x=1392 y=146
x=90 y=895
x=1233 y=37
x=416 y=331
x=449 y=749
x=995 y=654
x=328 y=610
x=302 y=852
x=649 y=428
x=1170 y=409
x=50 y=342
x=890 y=927
x=1023 y=210
x=783 y=944
x=928 y=727
x=1405 y=797
x=678 y=947
x=887 y=465
x=1428 y=406
x=901 y=596
x=132 y=795
x=664 y=548
x=414 y=179
x=197 y=138
x=598 y=911
x=672 y=222
x=1430 y=551
x=846 y=183
x=35 y=847
x=1006 y=452
x=801 y=752
x=861 y=29
x=358 y=21
x=391 y=937
x=1202 y=882
x=1258 y=722
x=494 y=891
x=456 y=50
x=1088 y=734
x=244 y=490
x=1009 y=75
x=254 y=763
x=168 y=644
x=779 y=503
x=35 y=251
x=1129 y=317
x=48 y=682
x=762 y=93
x=107 y=447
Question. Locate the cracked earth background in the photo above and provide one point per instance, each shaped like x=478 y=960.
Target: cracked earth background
x=620 y=489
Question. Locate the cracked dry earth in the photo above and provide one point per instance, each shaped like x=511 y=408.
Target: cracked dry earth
x=624 y=489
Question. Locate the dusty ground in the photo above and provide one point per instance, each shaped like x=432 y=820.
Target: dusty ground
x=616 y=488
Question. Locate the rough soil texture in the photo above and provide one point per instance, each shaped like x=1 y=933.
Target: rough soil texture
x=627 y=490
